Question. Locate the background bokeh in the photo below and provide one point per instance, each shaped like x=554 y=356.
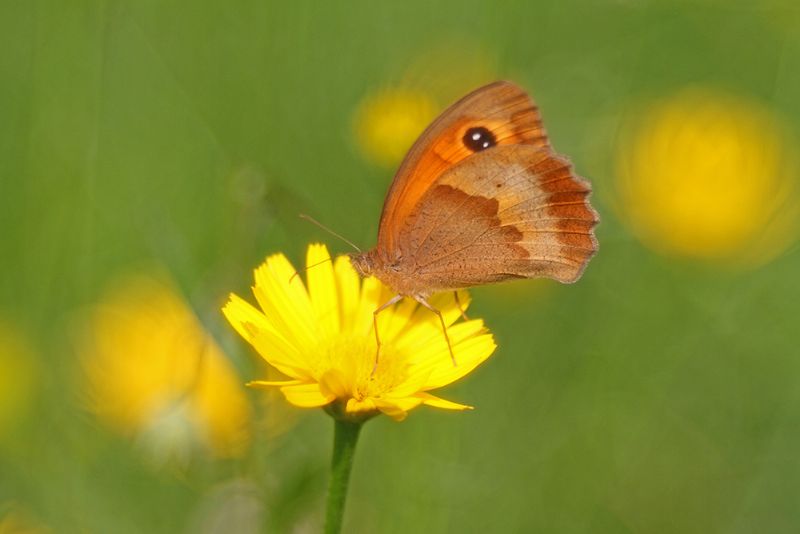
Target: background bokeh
x=174 y=143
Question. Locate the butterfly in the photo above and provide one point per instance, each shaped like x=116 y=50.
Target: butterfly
x=480 y=198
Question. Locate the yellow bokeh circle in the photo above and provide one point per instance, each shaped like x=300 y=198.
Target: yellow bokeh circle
x=709 y=175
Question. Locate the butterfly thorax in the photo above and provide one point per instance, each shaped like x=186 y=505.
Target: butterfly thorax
x=392 y=272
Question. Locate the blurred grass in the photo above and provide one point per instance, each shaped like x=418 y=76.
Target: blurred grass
x=654 y=396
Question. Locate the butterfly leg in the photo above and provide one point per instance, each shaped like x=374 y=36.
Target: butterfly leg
x=460 y=308
x=425 y=303
x=394 y=300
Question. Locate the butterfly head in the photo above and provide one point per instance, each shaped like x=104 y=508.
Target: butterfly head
x=363 y=263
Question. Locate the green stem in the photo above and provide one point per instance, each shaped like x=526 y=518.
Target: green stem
x=345 y=437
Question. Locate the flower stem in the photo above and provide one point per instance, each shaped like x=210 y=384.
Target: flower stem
x=345 y=437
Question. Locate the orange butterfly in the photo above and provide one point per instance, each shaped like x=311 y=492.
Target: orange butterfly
x=481 y=198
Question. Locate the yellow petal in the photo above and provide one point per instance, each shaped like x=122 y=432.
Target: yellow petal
x=394 y=321
x=240 y=313
x=397 y=409
x=438 y=402
x=433 y=345
x=464 y=300
x=266 y=384
x=348 y=285
x=470 y=353
x=445 y=303
x=306 y=395
x=283 y=297
x=424 y=324
x=415 y=381
x=267 y=342
x=334 y=383
x=280 y=354
x=373 y=295
x=322 y=289
x=355 y=406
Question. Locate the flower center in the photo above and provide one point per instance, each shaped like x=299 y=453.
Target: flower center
x=353 y=358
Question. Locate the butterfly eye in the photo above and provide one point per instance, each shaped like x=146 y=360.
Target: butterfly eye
x=479 y=138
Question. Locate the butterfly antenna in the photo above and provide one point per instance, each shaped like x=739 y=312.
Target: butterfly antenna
x=319 y=224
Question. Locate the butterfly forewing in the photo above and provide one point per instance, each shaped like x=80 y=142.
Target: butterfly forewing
x=502 y=110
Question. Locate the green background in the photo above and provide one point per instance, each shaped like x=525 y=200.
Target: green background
x=653 y=396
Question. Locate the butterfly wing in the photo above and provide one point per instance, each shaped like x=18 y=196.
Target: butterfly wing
x=502 y=108
x=514 y=211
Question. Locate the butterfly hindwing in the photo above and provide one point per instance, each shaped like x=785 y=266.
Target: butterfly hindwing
x=514 y=211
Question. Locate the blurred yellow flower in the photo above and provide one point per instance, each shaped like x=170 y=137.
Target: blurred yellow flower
x=322 y=339
x=18 y=377
x=388 y=122
x=709 y=175
x=155 y=374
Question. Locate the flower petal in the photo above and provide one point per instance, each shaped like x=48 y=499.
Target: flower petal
x=446 y=303
x=470 y=352
x=424 y=325
x=241 y=313
x=280 y=354
x=259 y=332
x=434 y=345
x=322 y=288
x=394 y=321
x=398 y=408
x=349 y=287
x=437 y=402
x=266 y=384
x=416 y=380
x=355 y=406
x=334 y=383
x=283 y=297
x=373 y=295
x=306 y=395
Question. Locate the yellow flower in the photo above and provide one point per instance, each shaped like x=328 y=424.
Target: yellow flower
x=155 y=374
x=388 y=122
x=711 y=176
x=322 y=339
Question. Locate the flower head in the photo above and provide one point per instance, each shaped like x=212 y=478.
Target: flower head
x=321 y=337
x=389 y=121
x=709 y=175
x=153 y=373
